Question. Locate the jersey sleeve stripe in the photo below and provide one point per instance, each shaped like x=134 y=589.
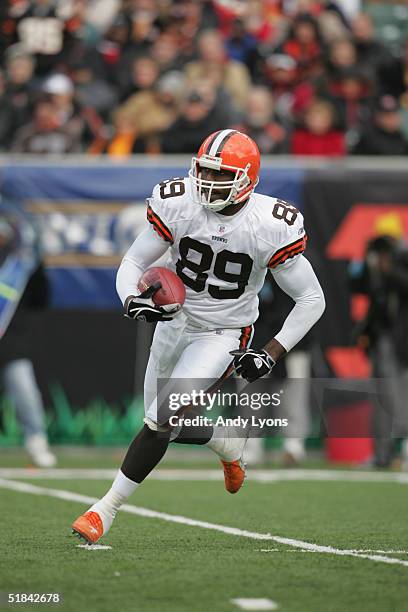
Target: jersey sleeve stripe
x=287 y=246
x=159 y=230
x=245 y=336
x=297 y=251
x=160 y=227
x=282 y=254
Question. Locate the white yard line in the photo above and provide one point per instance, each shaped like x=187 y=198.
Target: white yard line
x=383 y=552
x=255 y=604
x=363 y=550
x=262 y=476
x=23 y=487
x=94 y=547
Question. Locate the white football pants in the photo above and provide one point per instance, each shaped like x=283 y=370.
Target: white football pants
x=179 y=351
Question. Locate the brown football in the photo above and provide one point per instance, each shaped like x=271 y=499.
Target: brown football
x=172 y=289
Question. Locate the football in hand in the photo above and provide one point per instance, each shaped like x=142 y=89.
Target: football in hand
x=172 y=289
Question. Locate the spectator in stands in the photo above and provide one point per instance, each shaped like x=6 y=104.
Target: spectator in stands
x=333 y=23
x=59 y=124
x=319 y=135
x=20 y=68
x=6 y=116
x=141 y=120
x=213 y=65
x=393 y=76
x=45 y=134
x=383 y=136
x=200 y=115
x=342 y=55
x=351 y=91
x=304 y=44
x=291 y=93
x=166 y=53
x=189 y=13
x=144 y=73
x=187 y=18
x=92 y=91
x=101 y=13
x=119 y=141
x=45 y=29
x=260 y=18
x=142 y=15
x=370 y=52
x=261 y=124
x=113 y=47
x=20 y=87
x=241 y=45
x=73 y=118
x=77 y=26
x=227 y=13
x=263 y=20
x=302 y=7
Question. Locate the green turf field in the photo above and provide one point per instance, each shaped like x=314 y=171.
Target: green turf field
x=156 y=565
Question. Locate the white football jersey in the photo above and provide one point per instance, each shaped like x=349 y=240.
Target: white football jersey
x=223 y=260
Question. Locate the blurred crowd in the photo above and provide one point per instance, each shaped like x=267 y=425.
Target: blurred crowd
x=117 y=77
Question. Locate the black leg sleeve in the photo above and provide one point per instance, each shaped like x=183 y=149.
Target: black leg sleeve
x=144 y=453
x=194 y=435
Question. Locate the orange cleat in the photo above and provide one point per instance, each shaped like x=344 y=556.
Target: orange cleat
x=88 y=527
x=234 y=475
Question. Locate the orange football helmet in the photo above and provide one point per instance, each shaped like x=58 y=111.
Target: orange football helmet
x=226 y=150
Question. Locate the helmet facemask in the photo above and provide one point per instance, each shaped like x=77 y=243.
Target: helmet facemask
x=235 y=190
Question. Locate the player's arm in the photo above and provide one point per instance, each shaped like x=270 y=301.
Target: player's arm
x=145 y=250
x=297 y=279
x=149 y=246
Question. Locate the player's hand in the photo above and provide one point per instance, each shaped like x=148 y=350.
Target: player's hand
x=142 y=308
x=252 y=364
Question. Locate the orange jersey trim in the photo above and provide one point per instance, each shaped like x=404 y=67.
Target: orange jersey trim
x=246 y=333
x=245 y=336
x=158 y=225
x=290 y=250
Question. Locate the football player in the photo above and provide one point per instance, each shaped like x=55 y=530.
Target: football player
x=221 y=239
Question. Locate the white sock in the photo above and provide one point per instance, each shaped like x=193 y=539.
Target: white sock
x=226 y=444
x=107 y=507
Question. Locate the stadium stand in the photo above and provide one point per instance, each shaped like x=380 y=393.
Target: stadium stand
x=118 y=77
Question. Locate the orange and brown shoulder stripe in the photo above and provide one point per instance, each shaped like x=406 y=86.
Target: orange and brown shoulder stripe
x=288 y=251
x=158 y=225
